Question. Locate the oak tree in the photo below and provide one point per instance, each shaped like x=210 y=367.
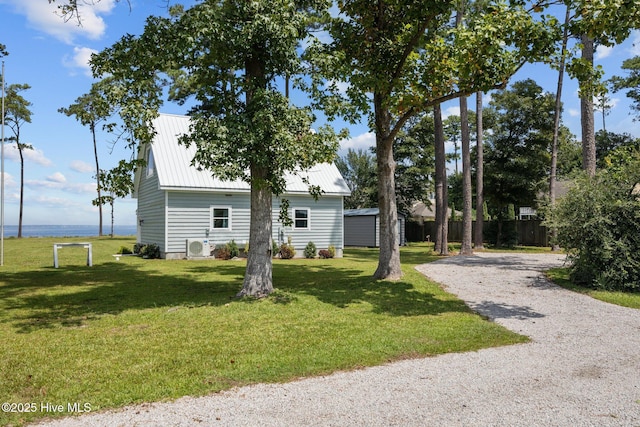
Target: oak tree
x=227 y=58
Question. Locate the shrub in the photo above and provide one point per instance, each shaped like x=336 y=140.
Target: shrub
x=332 y=251
x=233 y=249
x=323 y=253
x=222 y=252
x=310 y=250
x=287 y=251
x=598 y=222
x=275 y=249
x=150 y=251
x=137 y=248
x=124 y=250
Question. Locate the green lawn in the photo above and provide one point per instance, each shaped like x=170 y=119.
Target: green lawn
x=560 y=276
x=137 y=330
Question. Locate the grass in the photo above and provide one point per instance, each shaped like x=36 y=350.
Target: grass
x=560 y=276
x=134 y=330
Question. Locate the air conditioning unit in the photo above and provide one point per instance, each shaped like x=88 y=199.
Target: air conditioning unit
x=197 y=248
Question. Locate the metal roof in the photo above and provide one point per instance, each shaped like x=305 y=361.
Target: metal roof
x=175 y=172
x=366 y=212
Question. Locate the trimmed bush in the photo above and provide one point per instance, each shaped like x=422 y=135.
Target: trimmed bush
x=324 y=254
x=310 y=250
x=223 y=252
x=233 y=249
x=287 y=251
x=332 y=251
x=124 y=250
x=150 y=251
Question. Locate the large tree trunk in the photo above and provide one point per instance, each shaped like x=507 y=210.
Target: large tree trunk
x=556 y=128
x=441 y=243
x=389 y=259
x=479 y=235
x=258 y=277
x=466 y=248
x=586 y=116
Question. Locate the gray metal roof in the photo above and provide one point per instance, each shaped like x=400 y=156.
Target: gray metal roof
x=175 y=172
x=366 y=212
x=362 y=212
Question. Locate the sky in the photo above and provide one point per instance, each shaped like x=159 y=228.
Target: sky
x=52 y=56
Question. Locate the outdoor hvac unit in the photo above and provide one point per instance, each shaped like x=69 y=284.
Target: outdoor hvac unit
x=198 y=248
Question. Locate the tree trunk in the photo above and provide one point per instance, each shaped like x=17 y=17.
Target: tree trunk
x=258 y=277
x=479 y=235
x=466 y=248
x=556 y=128
x=98 y=178
x=441 y=243
x=21 y=187
x=586 y=116
x=112 y=217
x=389 y=259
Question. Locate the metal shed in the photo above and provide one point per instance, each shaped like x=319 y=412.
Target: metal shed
x=362 y=227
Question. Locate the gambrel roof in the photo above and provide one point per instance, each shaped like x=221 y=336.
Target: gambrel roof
x=172 y=163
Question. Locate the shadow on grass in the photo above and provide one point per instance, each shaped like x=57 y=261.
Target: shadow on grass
x=47 y=298
x=69 y=296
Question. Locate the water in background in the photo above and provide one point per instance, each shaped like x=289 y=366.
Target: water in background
x=68 y=230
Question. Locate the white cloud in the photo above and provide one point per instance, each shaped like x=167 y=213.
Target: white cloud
x=57 y=177
x=362 y=141
x=9 y=181
x=55 y=201
x=45 y=17
x=603 y=52
x=451 y=111
x=36 y=156
x=82 y=167
x=81 y=188
x=80 y=59
x=573 y=112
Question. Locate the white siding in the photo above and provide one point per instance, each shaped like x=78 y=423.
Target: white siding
x=325 y=227
x=151 y=211
x=188 y=216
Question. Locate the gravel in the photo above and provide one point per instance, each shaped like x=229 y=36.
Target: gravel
x=581 y=368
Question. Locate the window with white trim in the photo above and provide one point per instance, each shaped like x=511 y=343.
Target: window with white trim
x=301 y=218
x=221 y=217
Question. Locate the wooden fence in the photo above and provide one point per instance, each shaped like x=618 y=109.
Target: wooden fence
x=530 y=232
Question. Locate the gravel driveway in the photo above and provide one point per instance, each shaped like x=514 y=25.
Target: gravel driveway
x=582 y=368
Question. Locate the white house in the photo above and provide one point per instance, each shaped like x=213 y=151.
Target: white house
x=186 y=211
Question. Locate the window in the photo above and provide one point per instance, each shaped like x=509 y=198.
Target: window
x=301 y=219
x=221 y=217
x=150 y=162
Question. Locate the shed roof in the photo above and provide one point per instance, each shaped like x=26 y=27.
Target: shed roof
x=366 y=212
x=175 y=172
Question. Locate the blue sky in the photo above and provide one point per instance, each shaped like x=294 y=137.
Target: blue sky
x=52 y=57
